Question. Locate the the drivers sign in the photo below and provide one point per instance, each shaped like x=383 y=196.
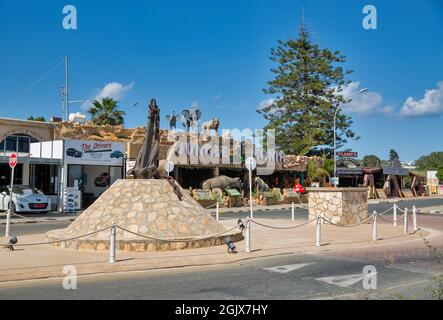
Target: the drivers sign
x=13 y=160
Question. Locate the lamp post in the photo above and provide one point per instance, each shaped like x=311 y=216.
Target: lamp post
x=335 y=139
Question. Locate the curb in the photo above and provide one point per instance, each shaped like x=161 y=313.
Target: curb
x=38 y=221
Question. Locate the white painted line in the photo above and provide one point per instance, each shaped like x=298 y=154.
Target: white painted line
x=287 y=268
x=345 y=280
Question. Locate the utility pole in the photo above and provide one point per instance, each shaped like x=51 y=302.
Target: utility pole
x=66 y=89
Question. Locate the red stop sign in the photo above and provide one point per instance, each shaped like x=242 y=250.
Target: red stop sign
x=13 y=160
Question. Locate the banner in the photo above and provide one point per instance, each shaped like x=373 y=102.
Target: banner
x=94 y=152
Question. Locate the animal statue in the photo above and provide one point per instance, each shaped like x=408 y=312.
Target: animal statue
x=190 y=118
x=212 y=124
x=172 y=120
x=221 y=182
x=262 y=186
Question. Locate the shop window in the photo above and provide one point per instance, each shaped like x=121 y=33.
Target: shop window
x=75 y=172
x=115 y=173
x=17 y=143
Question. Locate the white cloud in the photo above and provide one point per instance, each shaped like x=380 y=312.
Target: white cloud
x=217 y=97
x=431 y=104
x=114 y=90
x=266 y=103
x=368 y=102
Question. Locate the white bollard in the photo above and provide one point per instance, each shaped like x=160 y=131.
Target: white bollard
x=216 y=212
x=293 y=217
x=395 y=214
x=374 y=226
x=248 y=236
x=405 y=222
x=112 y=244
x=414 y=218
x=318 y=232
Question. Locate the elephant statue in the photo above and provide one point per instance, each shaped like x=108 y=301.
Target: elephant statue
x=190 y=118
x=222 y=182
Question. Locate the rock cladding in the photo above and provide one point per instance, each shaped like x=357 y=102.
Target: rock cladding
x=147 y=207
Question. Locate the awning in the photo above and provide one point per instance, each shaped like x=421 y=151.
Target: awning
x=395 y=171
x=349 y=171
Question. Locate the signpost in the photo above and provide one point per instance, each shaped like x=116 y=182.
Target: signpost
x=12 y=164
x=347 y=154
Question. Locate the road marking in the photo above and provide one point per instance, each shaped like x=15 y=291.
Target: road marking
x=345 y=280
x=287 y=268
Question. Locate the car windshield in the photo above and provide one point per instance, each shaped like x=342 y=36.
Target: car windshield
x=24 y=190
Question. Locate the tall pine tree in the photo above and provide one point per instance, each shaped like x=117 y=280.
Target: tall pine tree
x=308 y=87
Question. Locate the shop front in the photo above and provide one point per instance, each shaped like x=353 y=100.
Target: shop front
x=89 y=168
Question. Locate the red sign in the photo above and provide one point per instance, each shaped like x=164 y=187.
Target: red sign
x=347 y=154
x=13 y=160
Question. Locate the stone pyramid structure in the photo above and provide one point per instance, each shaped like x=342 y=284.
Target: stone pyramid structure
x=149 y=207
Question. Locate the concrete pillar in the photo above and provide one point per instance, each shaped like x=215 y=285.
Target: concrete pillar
x=216 y=172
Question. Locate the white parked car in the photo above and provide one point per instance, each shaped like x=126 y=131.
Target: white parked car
x=24 y=199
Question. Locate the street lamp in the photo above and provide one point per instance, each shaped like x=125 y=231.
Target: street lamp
x=335 y=139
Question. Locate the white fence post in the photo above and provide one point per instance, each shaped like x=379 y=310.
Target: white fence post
x=318 y=232
x=112 y=244
x=395 y=214
x=216 y=212
x=405 y=222
x=374 y=226
x=292 y=208
x=248 y=236
x=414 y=218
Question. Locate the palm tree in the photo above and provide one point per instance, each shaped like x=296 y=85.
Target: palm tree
x=317 y=172
x=105 y=112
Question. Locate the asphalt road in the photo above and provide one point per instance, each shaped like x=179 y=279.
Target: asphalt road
x=248 y=280
x=33 y=228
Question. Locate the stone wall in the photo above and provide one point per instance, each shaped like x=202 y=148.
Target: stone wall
x=343 y=206
x=42 y=131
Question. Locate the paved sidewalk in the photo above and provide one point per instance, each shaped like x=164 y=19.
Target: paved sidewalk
x=392 y=200
x=44 y=261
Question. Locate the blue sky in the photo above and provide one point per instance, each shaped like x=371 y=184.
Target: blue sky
x=215 y=53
